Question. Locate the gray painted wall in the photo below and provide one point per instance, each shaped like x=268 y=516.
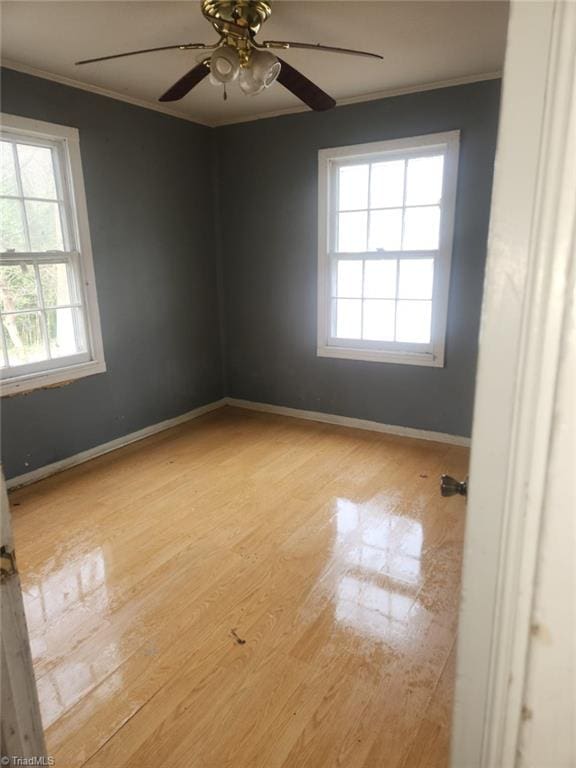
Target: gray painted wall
x=180 y=214
x=149 y=186
x=268 y=193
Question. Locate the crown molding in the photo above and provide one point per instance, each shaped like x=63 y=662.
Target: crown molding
x=158 y=107
x=373 y=96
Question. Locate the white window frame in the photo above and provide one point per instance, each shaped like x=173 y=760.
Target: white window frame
x=329 y=161
x=66 y=142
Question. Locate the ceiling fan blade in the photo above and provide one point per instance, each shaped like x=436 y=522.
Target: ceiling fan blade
x=304 y=89
x=186 y=83
x=183 y=47
x=317 y=47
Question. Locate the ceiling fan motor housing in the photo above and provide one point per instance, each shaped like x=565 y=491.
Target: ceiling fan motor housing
x=245 y=13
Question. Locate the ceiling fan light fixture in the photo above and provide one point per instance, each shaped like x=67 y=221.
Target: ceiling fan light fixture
x=224 y=65
x=265 y=67
x=260 y=73
x=237 y=55
x=248 y=84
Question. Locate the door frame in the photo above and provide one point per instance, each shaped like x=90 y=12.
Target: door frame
x=529 y=286
x=21 y=732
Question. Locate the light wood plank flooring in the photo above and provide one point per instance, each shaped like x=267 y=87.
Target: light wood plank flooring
x=246 y=591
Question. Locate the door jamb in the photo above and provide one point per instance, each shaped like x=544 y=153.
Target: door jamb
x=21 y=732
x=528 y=289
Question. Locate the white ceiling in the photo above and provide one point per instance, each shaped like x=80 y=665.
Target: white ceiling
x=422 y=43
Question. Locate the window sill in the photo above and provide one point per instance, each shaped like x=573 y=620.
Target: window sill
x=42 y=379
x=382 y=356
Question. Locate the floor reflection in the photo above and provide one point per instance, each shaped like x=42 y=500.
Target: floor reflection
x=58 y=608
x=370 y=609
x=61 y=589
x=381 y=557
x=375 y=540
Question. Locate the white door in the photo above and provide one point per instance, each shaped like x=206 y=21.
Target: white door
x=21 y=725
x=524 y=347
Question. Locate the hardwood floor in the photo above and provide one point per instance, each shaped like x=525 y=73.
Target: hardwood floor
x=246 y=590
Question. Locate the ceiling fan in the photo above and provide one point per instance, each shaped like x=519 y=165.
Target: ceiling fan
x=237 y=55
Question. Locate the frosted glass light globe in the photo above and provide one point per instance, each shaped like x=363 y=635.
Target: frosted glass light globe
x=265 y=67
x=261 y=72
x=224 y=64
x=248 y=84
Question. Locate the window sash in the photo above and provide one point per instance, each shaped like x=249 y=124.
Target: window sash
x=330 y=163
x=334 y=185
x=63 y=192
x=81 y=332
x=377 y=208
x=400 y=153
x=408 y=346
x=387 y=346
x=14 y=258
x=382 y=255
x=43 y=366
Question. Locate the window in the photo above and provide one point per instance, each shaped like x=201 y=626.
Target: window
x=50 y=328
x=386 y=213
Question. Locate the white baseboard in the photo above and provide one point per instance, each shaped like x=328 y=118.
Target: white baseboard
x=119 y=442
x=280 y=410
x=347 y=421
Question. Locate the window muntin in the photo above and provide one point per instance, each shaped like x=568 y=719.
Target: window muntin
x=42 y=318
x=388 y=300
x=384 y=257
x=32 y=205
x=49 y=326
x=390 y=205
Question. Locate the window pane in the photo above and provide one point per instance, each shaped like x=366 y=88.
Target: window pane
x=55 y=284
x=348 y=318
x=387 y=184
x=64 y=336
x=379 y=320
x=12 y=233
x=385 y=230
x=352 y=232
x=37 y=171
x=8 y=183
x=421 y=229
x=44 y=226
x=18 y=289
x=424 y=180
x=24 y=339
x=380 y=279
x=413 y=321
x=349 y=279
x=353 y=187
x=416 y=279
